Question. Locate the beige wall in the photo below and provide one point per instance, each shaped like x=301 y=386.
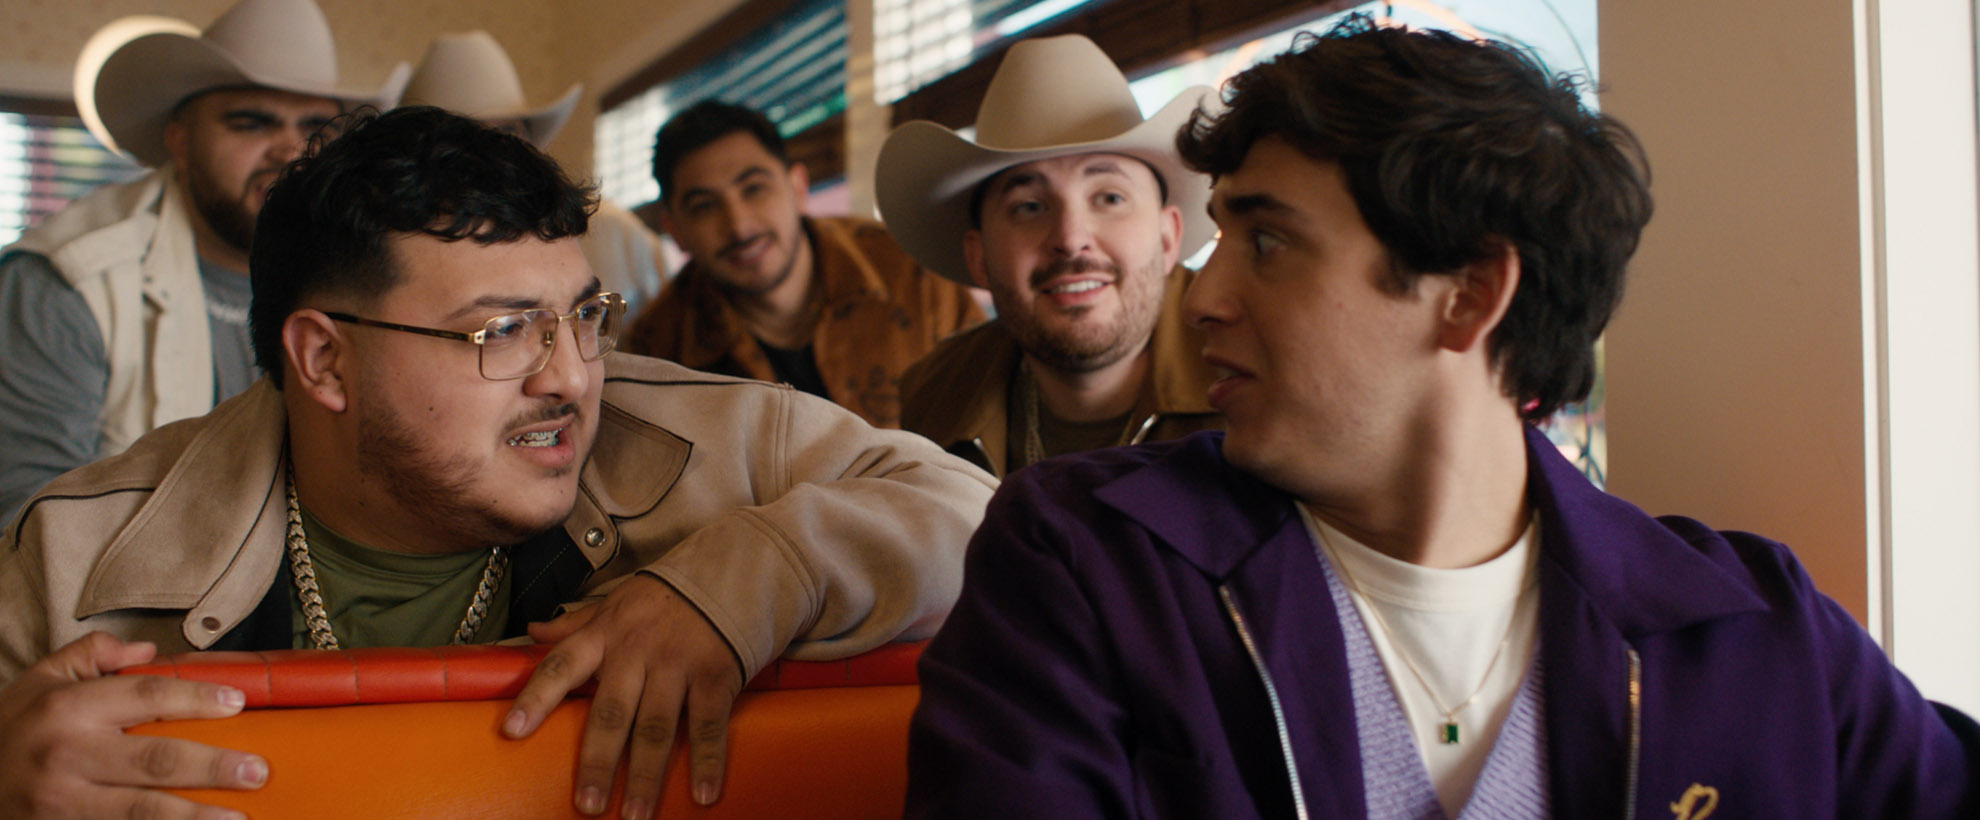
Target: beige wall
x=551 y=44
x=41 y=38
x=1736 y=378
x=611 y=40
x=1735 y=368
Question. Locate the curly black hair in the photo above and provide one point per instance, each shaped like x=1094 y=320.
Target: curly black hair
x=324 y=226
x=1452 y=150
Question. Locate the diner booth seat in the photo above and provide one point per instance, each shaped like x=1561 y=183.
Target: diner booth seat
x=378 y=733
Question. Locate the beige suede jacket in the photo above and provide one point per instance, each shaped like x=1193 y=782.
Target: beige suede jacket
x=795 y=527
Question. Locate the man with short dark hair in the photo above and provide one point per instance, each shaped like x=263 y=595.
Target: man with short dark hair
x=1074 y=212
x=829 y=305
x=1382 y=592
x=128 y=309
x=443 y=452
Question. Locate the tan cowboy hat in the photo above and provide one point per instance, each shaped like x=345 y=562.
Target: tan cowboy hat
x=468 y=73
x=101 y=45
x=1051 y=97
x=279 y=44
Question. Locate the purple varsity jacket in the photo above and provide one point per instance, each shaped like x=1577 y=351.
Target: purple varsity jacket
x=1146 y=632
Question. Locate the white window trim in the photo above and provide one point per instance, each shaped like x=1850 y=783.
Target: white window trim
x=1921 y=243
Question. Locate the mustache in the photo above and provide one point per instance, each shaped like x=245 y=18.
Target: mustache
x=263 y=177
x=543 y=414
x=1073 y=265
x=738 y=244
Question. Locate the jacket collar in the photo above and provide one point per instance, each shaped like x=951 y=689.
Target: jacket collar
x=1178 y=380
x=970 y=396
x=711 y=328
x=633 y=463
x=849 y=276
x=221 y=491
x=107 y=226
x=1634 y=570
x=1241 y=516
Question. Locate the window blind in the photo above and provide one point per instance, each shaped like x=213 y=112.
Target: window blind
x=46 y=162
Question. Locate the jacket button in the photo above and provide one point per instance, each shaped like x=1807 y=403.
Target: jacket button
x=594 y=536
x=211 y=623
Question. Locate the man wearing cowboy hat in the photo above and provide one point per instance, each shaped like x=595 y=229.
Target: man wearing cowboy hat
x=829 y=305
x=470 y=74
x=1074 y=212
x=445 y=450
x=128 y=309
x=1383 y=593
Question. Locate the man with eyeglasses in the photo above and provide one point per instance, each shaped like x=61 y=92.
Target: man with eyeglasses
x=443 y=451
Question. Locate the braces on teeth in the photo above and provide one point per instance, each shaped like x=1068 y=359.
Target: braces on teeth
x=546 y=438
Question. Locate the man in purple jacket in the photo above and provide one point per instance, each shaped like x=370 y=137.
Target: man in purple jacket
x=1382 y=594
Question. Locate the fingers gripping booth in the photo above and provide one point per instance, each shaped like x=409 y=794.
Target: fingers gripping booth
x=375 y=733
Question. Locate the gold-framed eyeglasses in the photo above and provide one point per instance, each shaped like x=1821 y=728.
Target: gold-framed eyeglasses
x=518 y=345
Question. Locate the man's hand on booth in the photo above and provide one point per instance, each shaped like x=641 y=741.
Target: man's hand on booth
x=654 y=656
x=63 y=751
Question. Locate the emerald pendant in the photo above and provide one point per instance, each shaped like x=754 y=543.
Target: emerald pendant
x=1451 y=732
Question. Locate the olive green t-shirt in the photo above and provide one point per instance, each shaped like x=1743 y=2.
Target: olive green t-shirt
x=379 y=598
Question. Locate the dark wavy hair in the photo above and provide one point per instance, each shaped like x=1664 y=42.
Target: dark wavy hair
x=1453 y=149
x=324 y=227
x=703 y=123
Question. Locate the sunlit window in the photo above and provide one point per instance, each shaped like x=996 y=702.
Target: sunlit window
x=793 y=70
x=917 y=42
x=45 y=162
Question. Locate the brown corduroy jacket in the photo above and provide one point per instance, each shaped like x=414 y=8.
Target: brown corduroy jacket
x=882 y=311
x=959 y=394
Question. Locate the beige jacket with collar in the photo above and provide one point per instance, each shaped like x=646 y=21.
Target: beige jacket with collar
x=795 y=527
x=128 y=249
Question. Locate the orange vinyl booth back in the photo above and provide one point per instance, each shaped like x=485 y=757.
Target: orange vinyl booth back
x=376 y=733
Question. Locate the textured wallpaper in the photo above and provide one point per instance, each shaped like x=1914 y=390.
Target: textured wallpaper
x=51 y=32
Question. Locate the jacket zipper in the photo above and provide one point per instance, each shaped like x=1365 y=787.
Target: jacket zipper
x=1271 y=692
x=1635 y=733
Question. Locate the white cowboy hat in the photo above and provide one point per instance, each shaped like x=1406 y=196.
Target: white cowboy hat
x=1051 y=97
x=101 y=45
x=279 y=44
x=468 y=73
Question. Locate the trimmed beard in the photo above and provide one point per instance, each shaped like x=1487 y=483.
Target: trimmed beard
x=790 y=249
x=229 y=217
x=440 y=486
x=1084 y=350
